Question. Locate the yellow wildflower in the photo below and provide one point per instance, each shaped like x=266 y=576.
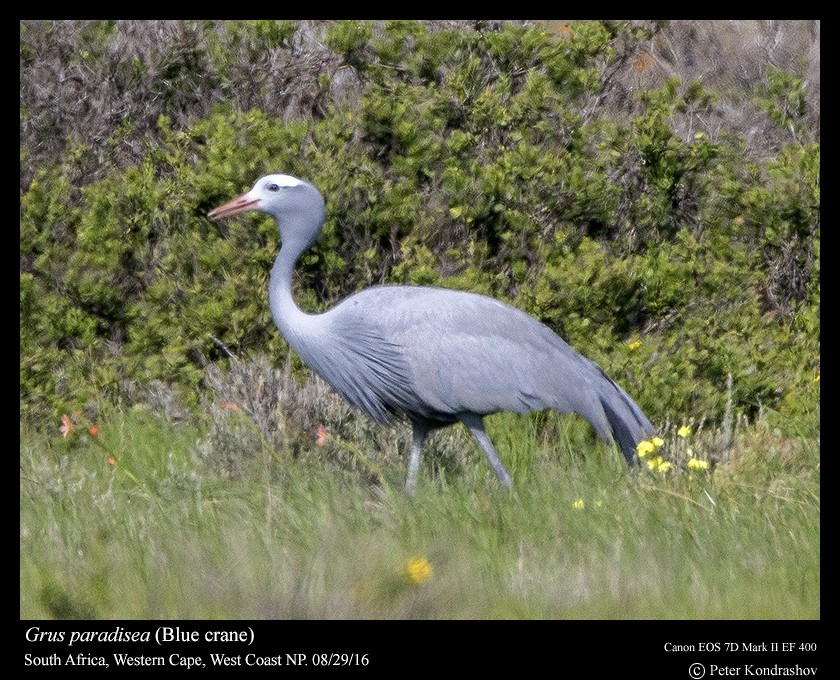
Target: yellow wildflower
x=417 y=570
x=684 y=431
x=816 y=378
x=644 y=447
x=698 y=464
x=657 y=441
x=579 y=504
x=635 y=344
x=658 y=464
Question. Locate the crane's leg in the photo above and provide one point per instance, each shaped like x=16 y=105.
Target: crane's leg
x=475 y=424
x=418 y=436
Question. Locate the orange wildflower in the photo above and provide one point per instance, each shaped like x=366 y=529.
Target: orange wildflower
x=93 y=431
x=643 y=63
x=66 y=426
x=321 y=437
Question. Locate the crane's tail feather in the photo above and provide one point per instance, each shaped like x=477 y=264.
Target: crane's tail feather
x=628 y=424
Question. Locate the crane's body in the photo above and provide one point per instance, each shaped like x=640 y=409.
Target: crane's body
x=437 y=355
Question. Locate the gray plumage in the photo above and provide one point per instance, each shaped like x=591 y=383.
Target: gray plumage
x=439 y=356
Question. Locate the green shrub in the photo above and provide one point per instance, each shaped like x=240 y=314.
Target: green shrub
x=470 y=158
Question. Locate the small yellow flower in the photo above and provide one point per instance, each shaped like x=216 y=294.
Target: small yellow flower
x=816 y=378
x=698 y=464
x=417 y=570
x=657 y=441
x=599 y=504
x=579 y=504
x=684 y=431
x=658 y=464
x=634 y=345
x=644 y=447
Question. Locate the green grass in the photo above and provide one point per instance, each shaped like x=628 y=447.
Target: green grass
x=159 y=534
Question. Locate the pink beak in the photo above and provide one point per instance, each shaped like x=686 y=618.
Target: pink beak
x=234 y=207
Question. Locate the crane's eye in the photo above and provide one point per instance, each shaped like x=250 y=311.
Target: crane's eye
x=273 y=187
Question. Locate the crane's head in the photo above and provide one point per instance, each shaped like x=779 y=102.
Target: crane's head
x=297 y=206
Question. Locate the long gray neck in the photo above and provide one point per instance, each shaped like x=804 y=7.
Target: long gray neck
x=294 y=324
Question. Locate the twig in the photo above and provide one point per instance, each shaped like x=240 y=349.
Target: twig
x=224 y=347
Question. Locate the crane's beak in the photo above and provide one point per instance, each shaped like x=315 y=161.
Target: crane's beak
x=234 y=207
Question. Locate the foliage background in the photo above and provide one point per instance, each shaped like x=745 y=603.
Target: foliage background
x=621 y=181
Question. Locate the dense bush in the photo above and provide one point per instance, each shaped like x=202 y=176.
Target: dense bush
x=657 y=237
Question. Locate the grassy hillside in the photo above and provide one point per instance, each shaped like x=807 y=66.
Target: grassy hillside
x=132 y=524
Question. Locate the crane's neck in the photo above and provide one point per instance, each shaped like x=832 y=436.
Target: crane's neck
x=300 y=219
x=294 y=324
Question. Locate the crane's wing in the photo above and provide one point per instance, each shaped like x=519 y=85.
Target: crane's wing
x=438 y=353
